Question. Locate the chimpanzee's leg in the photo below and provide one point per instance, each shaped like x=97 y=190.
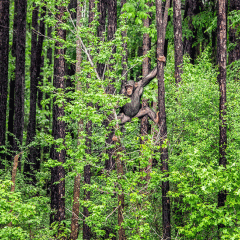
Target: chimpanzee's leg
x=147 y=111
x=124 y=118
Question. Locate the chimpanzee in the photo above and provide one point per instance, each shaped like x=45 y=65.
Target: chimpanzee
x=134 y=90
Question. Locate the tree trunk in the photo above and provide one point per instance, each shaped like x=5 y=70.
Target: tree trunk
x=234 y=54
x=125 y=52
x=76 y=191
x=4 y=45
x=222 y=59
x=121 y=231
x=36 y=50
x=87 y=234
x=58 y=129
x=178 y=44
x=145 y=70
x=75 y=208
x=112 y=27
x=20 y=76
x=100 y=31
x=161 y=31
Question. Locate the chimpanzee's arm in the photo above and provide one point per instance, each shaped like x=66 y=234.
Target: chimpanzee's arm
x=146 y=80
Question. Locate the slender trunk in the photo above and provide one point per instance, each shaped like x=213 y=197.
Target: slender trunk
x=120 y=172
x=20 y=76
x=14 y=174
x=58 y=130
x=30 y=165
x=77 y=180
x=4 y=45
x=100 y=31
x=178 y=44
x=87 y=234
x=75 y=208
x=161 y=31
x=11 y=114
x=234 y=54
x=112 y=27
x=222 y=59
x=15 y=20
x=145 y=70
x=125 y=52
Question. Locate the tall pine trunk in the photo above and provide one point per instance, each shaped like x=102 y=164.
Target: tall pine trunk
x=19 y=76
x=178 y=44
x=87 y=234
x=161 y=21
x=58 y=129
x=112 y=27
x=222 y=60
x=100 y=31
x=77 y=179
x=4 y=46
x=36 y=50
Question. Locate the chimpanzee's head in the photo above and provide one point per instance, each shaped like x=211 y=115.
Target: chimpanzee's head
x=130 y=87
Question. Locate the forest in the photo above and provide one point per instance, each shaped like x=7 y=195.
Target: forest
x=119 y=119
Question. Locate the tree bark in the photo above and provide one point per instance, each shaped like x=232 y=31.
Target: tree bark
x=87 y=234
x=75 y=208
x=112 y=27
x=234 y=54
x=76 y=191
x=4 y=46
x=36 y=50
x=161 y=31
x=178 y=44
x=100 y=31
x=19 y=76
x=58 y=129
x=125 y=52
x=145 y=70
x=120 y=172
x=222 y=59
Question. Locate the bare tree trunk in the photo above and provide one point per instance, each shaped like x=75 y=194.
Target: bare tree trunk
x=76 y=190
x=36 y=50
x=87 y=234
x=145 y=70
x=125 y=52
x=20 y=76
x=4 y=46
x=222 y=59
x=112 y=27
x=234 y=54
x=75 y=208
x=120 y=172
x=161 y=31
x=100 y=31
x=58 y=130
x=178 y=44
